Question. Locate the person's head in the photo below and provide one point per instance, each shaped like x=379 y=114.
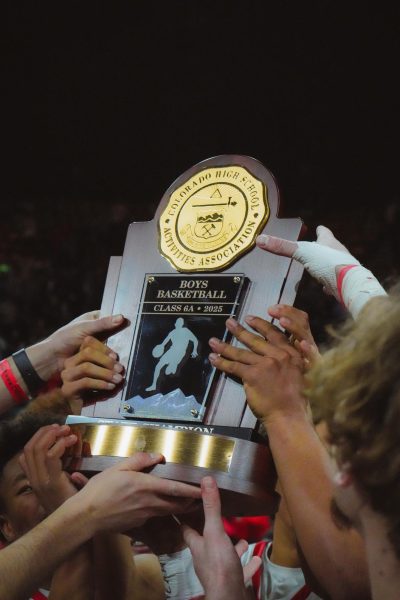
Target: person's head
x=179 y=323
x=355 y=387
x=20 y=510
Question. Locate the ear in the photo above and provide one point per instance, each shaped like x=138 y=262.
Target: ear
x=7 y=529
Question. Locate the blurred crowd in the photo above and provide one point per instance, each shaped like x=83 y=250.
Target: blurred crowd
x=54 y=257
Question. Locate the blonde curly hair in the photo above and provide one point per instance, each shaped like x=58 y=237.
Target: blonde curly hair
x=355 y=388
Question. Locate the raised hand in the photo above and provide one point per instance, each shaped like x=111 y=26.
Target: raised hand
x=122 y=497
x=270 y=368
x=215 y=559
x=296 y=323
x=48 y=356
x=41 y=462
x=332 y=265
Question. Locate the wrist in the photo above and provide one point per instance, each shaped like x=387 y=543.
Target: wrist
x=285 y=418
x=81 y=517
x=43 y=359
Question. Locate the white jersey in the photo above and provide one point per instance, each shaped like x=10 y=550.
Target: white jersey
x=270 y=582
x=274 y=582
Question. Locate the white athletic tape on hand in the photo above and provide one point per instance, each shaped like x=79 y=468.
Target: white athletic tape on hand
x=356 y=287
x=321 y=262
x=359 y=286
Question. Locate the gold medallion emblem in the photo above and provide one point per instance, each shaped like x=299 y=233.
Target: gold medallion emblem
x=213 y=218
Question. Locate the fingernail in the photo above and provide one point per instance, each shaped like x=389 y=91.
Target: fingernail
x=214 y=341
x=249 y=318
x=156 y=456
x=110 y=386
x=213 y=357
x=118 y=368
x=113 y=355
x=72 y=437
x=117 y=319
x=285 y=322
x=274 y=307
x=231 y=322
x=262 y=240
x=117 y=378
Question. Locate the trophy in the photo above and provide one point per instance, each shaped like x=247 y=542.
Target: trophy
x=180 y=277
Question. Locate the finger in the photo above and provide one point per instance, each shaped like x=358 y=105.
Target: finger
x=293 y=320
x=238 y=354
x=23 y=463
x=139 y=461
x=267 y=330
x=256 y=343
x=93 y=371
x=279 y=345
x=241 y=547
x=325 y=237
x=79 y=479
x=87 y=316
x=58 y=449
x=230 y=367
x=190 y=536
x=104 y=326
x=36 y=449
x=87 y=356
x=251 y=568
x=91 y=344
x=276 y=245
x=310 y=351
x=95 y=344
x=212 y=506
x=74 y=388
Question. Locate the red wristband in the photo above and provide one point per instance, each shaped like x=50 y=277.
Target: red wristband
x=340 y=278
x=11 y=383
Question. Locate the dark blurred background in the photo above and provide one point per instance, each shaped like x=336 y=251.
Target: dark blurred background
x=105 y=104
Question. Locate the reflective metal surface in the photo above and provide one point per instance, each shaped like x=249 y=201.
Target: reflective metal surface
x=213 y=218
x=180 y=447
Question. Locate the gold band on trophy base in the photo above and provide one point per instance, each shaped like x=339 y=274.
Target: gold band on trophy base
x=243 y=470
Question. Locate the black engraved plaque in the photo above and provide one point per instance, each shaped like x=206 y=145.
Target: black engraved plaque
x=170 y=376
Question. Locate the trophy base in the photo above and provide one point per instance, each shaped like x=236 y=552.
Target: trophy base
x=243 y=470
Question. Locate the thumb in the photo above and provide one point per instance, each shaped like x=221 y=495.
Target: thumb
x=325 y=237
x=139 y=461
x=251 y=568
x=104 y=325
x=190 y=536
x=276 y=245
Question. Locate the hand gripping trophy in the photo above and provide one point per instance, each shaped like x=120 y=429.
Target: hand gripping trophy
x=198 y=267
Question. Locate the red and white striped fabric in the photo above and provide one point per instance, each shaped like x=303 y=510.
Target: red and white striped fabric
x=270 y=582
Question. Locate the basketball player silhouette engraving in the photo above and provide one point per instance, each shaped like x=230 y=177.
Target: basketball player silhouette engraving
x=180 y=338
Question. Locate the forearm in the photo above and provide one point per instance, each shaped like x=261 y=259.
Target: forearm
x=114 y=566
x=75 y=578
x=336 y=557
x=33 y=558
x=43 y=359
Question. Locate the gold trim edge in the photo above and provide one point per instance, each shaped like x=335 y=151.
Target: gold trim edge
x=227 y=232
